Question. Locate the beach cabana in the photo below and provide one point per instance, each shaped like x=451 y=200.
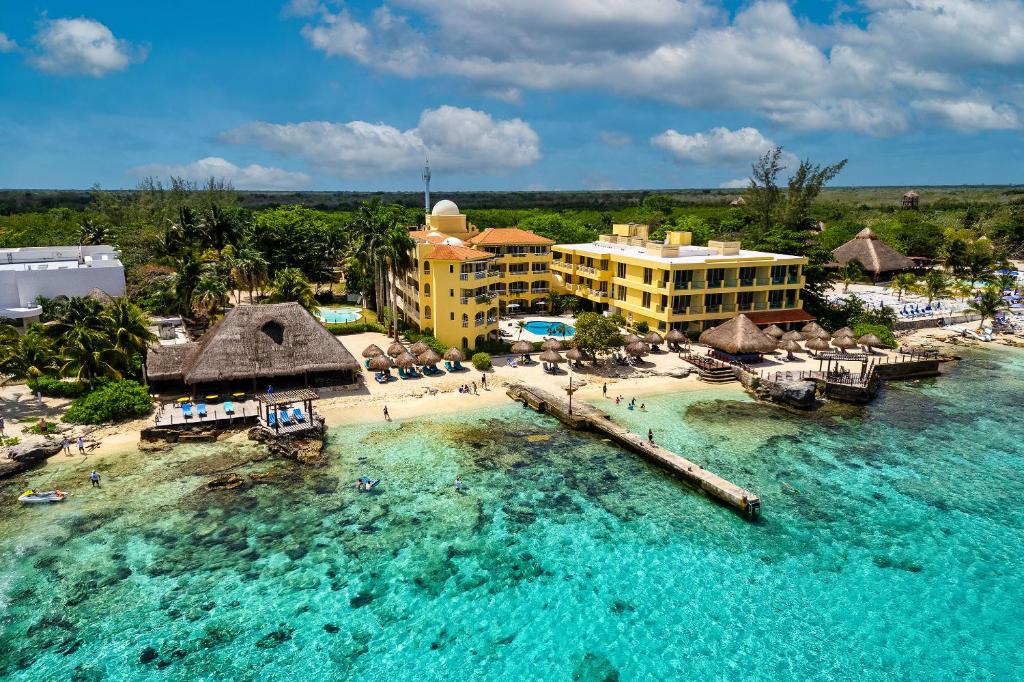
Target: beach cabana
x=790 y=346
x=551 y=359
x=877 y=257
x=406 y=362
x=277 y=344
x=654 y=340
x=775 y=331
x=740 y=339
x=380 y=363
x=551 y=344
x=675 y=338
x=630 y=339
x=453 y=359
x=792 y=336
x=637 y=349
x=396 y=349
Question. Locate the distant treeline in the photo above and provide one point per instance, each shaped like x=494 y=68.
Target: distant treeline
x=946 y=197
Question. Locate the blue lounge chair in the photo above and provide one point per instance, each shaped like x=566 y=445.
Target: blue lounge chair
x=402 y=373
x=272 y=419
x=229 y=407
x=201 y=409
x=297 y=414
x=285 y=419
x=186 y=409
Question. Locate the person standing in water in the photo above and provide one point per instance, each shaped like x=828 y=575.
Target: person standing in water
x=81 y=445
x=650 y=436
x=458 y=484
x=95 y=478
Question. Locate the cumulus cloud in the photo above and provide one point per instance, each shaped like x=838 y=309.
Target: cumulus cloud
x=81 y=46
x=860 y=76
x=716 y=147
x=252 y=176
x=6 y=44
x=613 y=139
x=970 y=115
x=457 y=139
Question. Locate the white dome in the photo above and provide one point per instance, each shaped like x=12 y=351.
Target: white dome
x=445 y=207
x=453 y=241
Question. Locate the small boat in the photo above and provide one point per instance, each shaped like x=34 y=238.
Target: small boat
x=33 y=497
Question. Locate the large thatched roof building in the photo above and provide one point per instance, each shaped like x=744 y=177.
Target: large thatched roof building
x=876 y=256
x=738 y=337
x=253 y=345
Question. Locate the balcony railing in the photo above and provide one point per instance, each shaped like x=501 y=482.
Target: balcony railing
x=540 y=272
x=744 y=306
x=778 y=280
x=695 y=310
x=682 y=285
x=659 y=309
x=540 y=290
x=479 y=323
x=696 y=285
x=464 y=300
x=794 y=279
x=774 y=305
x=517 y=291
x=728 y=308
x=519 y=255
x=480 y=274
x=713 y=308
x=463 y=276
x=747 y=282
x=761 y=281
x=730 y=283
x=492 y=320
x=484 y=298
x=465 y=323
x=714 y=284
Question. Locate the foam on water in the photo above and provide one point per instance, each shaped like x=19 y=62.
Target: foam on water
x=887 y=550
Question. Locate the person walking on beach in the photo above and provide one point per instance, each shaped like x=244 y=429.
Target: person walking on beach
x=2 y=426
x=604 y=390
x=95 y=478
x=483 y=381
x=66 y=446
x=387 y=415
x=650 y=436
x=81 y=445
x=474 y=388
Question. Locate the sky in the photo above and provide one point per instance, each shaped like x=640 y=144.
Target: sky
x=508 y=94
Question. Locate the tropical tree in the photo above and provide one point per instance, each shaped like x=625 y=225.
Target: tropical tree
x=209 y=296
x=26 y=357
x=395 y=250
x=91 y=231
x=596 y=334
x=290 y=285
x=187 y=275
x=901 y=283
x=961 y=289
x=86 y=355
x=368 y=234
x=850 y=272
x=521 y=326
x=935 y=284
x=127 y=328
x=988 y=303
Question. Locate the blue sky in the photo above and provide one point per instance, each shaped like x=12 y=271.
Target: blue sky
x=531 y=94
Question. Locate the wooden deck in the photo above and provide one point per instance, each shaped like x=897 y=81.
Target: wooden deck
x=171 y=414
x=586 y=416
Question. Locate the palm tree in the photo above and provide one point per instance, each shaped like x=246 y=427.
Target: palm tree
x=934 y=284
x=521 y=326
x=396 y=251
x=988 y=303
x=127 y=328
x=248 y=271
x=74 y=311
x=32 y=357
x=961 y=289
x=372 y=223
x=91 y=232
x=209 y=296
x=901 y=283
x=291 y=285
x=852 y=271
x=189 y=270
x=86 y=355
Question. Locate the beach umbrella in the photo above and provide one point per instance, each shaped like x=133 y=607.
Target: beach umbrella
x=790 y=346
x=811 y=329
x=637 y=349
x=845 y=331
x=675 y=336
x=551 y=356
x=820 y=335
x=454 y=355
x=816 y=343
x=372 y=351
x=429 y=357
x=774 y=331
x=405 y=360
x=792 y=336
x=418 y=348
x=871 y=341
x=574 y=354
x=551 y=344
x=396 y=349
x=654 y=339
x=844 y=342
x=380 y=363
x=629 y=339
x=522 y=347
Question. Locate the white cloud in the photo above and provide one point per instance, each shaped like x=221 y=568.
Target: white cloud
x=763 y=59
x=509 y=95
x=455 y=138
x=301 y=8
x=613 y=139
x=6 y=44
x=738 y=183
x=970 y=115
x=81 y=46
x=248 y=177
x=716 y=147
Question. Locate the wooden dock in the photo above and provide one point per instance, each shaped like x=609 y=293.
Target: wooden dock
x=586 y=416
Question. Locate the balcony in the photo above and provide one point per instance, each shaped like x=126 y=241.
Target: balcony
x=730 y=283
x=541 y=290
x=774 y=305
x=728 y=308
x=714 y=284
x=744 y=306
x=519 y=292
x=465 y=323
x=587 y=269
x=778 y=280
x=540 y=272
x=479 y=323
x=464 y=300
x=659 y=309
x=696 y=285
x=682 y=285
x=463 y=276
x=695 y=310
x=518 y=255
x=492 y=320
x=679 y=311
x=713 y=308
x=747 y=282
x=762 y=281
x=484 y=298
x=480 y=274
x=794 y=280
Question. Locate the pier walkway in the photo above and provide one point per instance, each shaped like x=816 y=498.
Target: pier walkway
x=586 y=416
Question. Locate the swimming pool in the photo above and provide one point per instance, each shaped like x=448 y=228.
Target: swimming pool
x=339 y=315
x=542 y=328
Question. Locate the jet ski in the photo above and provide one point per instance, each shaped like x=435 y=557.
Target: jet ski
x=33 y=497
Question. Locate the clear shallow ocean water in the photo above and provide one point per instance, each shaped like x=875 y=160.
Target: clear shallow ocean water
x=888 y=549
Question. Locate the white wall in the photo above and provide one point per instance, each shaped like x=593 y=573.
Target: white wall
x=20 y=288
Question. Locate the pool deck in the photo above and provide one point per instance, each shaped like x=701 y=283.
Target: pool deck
x=510 y=325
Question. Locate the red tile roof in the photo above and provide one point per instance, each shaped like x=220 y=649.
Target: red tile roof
x=446 y=252
x=428 y=236
x=496 y=236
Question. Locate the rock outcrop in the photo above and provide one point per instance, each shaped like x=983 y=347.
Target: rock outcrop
x=798 y=394
x=25 y=456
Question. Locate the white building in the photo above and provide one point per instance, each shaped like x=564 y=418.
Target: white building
x=51 y=271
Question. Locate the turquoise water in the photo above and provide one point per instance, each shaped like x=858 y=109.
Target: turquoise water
x=339 y=315
x=888 y=550
x=558 y=329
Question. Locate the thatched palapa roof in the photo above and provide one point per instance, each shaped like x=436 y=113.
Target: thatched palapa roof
x=775 y=331
x=405 y=360
x=875 y=255
x=551 y=356
x=844 y=342
x=454 y=355
x=843 y=331
x=372 y=351
x=396 y=349
x=253 y=342
x=429 y=357
x=791 y=335
x=551 y=344
x=812 y=329
x=871 y=341
x=418 y=348
x=654 y=338
x=675 y=336
x=381 y=362
x=816 y=343
x=738 y=336
x=522 y=347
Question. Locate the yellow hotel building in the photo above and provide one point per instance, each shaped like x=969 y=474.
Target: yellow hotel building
x=675 y=285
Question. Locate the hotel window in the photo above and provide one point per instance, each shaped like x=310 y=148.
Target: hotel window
x=778 y=274
x=620 y=269
x=452 y=316
x=680 y=303
x=715 y=276
x=426 y=312
x=775 y=298
x=683 y=278
x=648 y=274
x=747 y=276
x=451 y=293
x=646 y=299
x=745 y=300
x=451 y=269
x=426 y=290
x=568 y=279
x=620 y=293
x=712 y=300
x=426 y=267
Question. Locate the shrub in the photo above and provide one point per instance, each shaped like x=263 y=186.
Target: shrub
x=482 y=361
x=116 y=401
x=43 y=428
x=346 y=328
x=883 y=333
x=52 y=387
x=12 y=441
x=641 y=328
x=434 y=343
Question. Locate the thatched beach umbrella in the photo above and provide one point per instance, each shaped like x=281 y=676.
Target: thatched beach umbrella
x=844 y=342
x=372 y=351
x=738 y=336
x=812 y=329
x=551 y=357
x=629 y=339
x=405 y=360
x=522 y=347
x=396 y=349
x=380 y=363
x=845 y=331
x=675 y=336
x=637 y=349
x=790 y=346
x=574 y=355
x=816 y=343
x=418 y=348
x=654 y=340
x=774 y=331
x=429 y=357
x=454 y=355
x=792 y=336
x=551 y=344
x=871 y=341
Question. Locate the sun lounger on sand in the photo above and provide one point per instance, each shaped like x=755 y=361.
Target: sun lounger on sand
x=271 y=418
x=297 y=414
x=229 y=407
x=186 y=409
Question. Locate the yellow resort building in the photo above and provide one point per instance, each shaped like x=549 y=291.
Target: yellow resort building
x=673 y=284
x=462 y=278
